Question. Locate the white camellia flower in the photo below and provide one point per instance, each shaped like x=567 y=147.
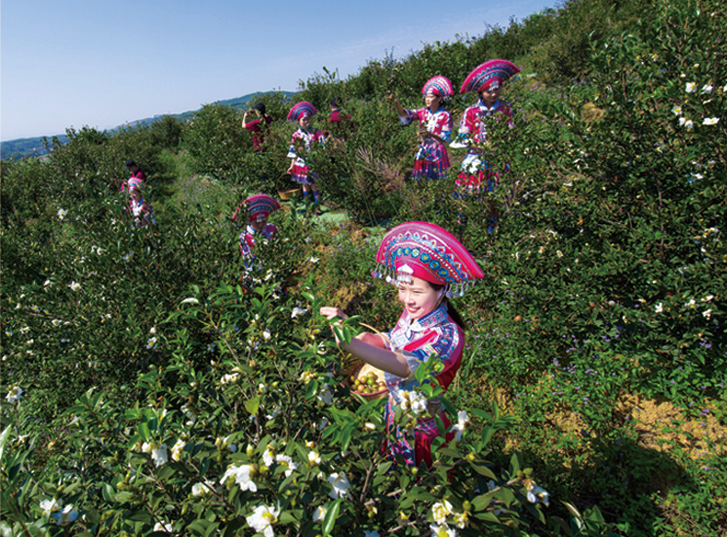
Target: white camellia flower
x=707 y=314
x=325 y=395
x=229 y=379
x=65 y=517
x=242 y=475
x=62 y=213
x=418 y=402
x=320 y=513
x=14 y=394
x=340 y=485
x=707 y=88
x=314 y=458
x=48 y=506
x=266 y=334
x=691 y=87
x=461 y=425
x=537 y=493
x=177 y=450
x=307 y=376
x=297 y=311
x=202 y=489
x=441 y=510
x=75 y=286
x=159 y=454
x=460 y=520
x=151 y=343
x=710 y=121
x=263 y=518
x=284 y=460
x=659 y=307
x=687 y=123
x=442 y=530
x=163 y=526
x=268 y=457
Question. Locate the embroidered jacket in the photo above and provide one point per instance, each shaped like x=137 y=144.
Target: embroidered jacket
x=434 y=335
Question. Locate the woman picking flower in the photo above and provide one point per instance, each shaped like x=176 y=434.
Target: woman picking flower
x=435 y=128
x=428 y=265
x=259 y=208
x=303 y=138
x=142 y=211
x=476 y=175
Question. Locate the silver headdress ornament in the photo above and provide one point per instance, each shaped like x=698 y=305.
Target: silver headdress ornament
x=404 y=274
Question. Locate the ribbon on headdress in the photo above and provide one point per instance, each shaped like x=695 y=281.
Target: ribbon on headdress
x=426 y=251
x=438 y=85
x=301 y=109
x=259 y=207
x=135 y=183
x=489 y=75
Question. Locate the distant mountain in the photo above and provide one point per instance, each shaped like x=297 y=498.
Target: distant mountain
x=28 y=147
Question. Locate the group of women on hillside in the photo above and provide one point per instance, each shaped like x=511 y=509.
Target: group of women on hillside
x=426 y=263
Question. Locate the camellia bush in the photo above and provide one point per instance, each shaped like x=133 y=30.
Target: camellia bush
x=149 y=390
x=250 y=429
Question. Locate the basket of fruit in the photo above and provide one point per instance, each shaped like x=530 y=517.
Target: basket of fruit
x=367 y=381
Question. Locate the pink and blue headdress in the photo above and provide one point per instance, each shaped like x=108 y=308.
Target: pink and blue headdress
x=438 y=85
x=259 y=207
x=489 y=75
x=301 y=109
x=426 y=251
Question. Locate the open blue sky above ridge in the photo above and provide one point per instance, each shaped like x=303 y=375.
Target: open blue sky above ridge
x=102 y=63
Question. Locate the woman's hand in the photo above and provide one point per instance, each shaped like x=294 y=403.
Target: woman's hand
x=329 y=312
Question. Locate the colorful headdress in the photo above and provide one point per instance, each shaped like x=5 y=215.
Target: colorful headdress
x=135 y=183
x=259 y=207
x=438 y=85
x=301 y=109
x=428 y=252
x=489 y=75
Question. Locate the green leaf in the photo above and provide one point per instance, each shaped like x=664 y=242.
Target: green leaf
x=108 y=492
x=3 y=439
x=287 y=517
x=483 y=470
x=514 y=464
x=140 y=516
x=252 y=405
x=143 y=429
x=331 y=516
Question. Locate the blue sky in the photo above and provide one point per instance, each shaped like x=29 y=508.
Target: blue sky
x=101 y=63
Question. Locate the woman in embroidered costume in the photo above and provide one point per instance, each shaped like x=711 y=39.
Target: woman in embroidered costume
x=427 y=264
x=476 y=175
x=435 y=128
x=142 y=211
x=303 y=138
x=258 y=208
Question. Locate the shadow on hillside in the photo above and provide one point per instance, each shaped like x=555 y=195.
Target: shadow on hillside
x=616 y=474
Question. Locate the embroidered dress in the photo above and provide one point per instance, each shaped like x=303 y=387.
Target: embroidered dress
x=431 y=161
x=476 y=175
x=248 y=242
x=434 y=336
x=426 y=251
x=300 y=172
x=143 y=213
